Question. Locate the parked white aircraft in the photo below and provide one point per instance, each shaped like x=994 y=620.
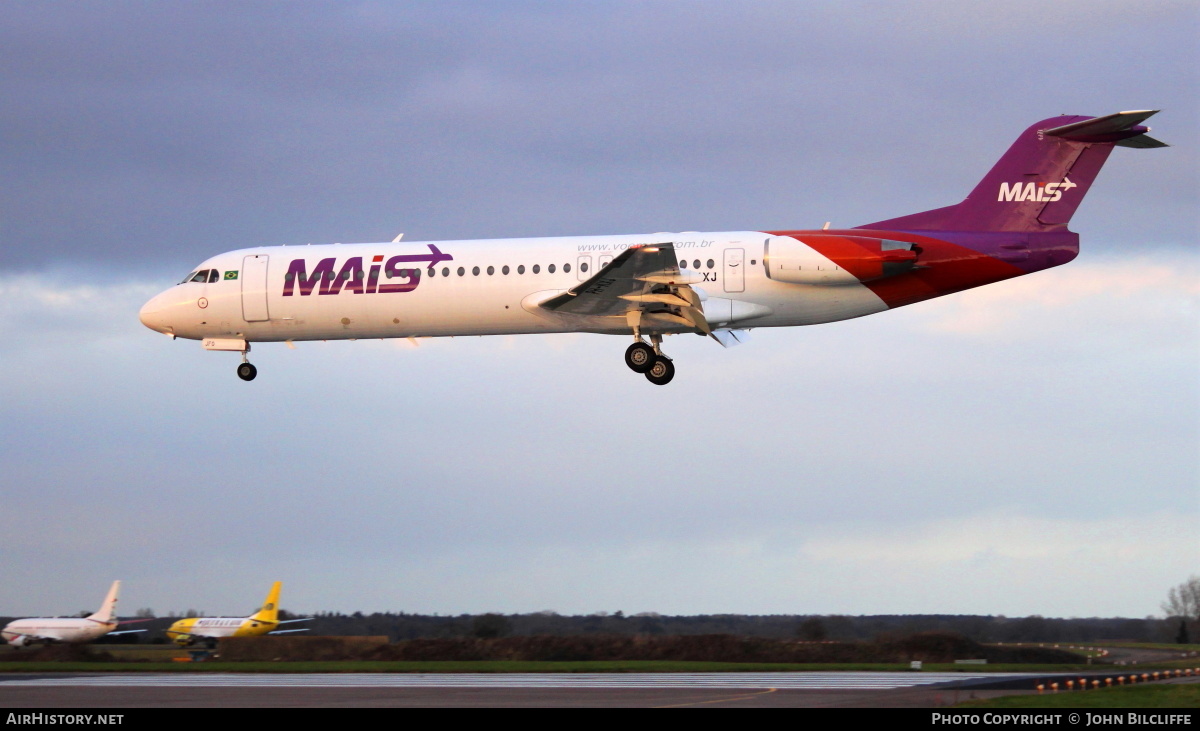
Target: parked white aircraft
x=50 y=630
x=651 y=285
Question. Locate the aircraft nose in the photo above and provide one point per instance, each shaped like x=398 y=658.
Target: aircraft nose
x=153 y=315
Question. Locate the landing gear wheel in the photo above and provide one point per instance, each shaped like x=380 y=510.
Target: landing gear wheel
x=247 y=372
x=640 y=357
x=661 y=372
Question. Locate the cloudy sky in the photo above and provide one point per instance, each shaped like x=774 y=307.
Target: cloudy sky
x=1026 y=448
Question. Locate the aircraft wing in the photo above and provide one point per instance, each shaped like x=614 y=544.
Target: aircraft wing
x=643 y=284
x=287 y=631
x=125 y=632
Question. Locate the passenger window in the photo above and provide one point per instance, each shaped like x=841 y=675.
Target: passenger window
x=566 y=267
x=446 y=271
x=505 y=269
x=475 y=271
x=521 y=269
x=696 y=264
x=461 y=271
x=537 y=268
x=491 y=271
x=583 y=267
x=683 y=263
x=550 y=268
x=710 y=264
x=432 y=272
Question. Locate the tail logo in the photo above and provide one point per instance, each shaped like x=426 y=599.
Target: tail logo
x=1040 y=192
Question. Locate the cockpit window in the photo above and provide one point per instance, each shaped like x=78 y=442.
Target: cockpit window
x=212 y=275
x=201 y=276
x=188 y=278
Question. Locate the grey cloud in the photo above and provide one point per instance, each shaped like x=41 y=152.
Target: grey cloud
x=171 y=130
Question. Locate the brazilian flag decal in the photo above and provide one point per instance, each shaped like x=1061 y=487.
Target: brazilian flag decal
x=231 y=275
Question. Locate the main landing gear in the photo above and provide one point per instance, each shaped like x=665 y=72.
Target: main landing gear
x=650 y=361
x=246 y=371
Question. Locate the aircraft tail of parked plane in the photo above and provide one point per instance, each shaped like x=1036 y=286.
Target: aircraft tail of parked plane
x=269 y=611
x=208 y=630
x=108 y=608
x=50 y=630
x=648 y=286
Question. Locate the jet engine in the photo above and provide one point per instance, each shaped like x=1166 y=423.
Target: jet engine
x=833 y=260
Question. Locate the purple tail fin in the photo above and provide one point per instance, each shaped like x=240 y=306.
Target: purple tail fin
x=1040 y=181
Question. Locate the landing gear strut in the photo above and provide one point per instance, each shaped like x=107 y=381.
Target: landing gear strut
x=246 y=371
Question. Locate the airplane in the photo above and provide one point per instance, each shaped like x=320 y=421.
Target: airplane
x=648 y=286
x=190 y=631
x=53 y=630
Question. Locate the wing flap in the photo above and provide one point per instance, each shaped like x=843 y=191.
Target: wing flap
x=644 y=285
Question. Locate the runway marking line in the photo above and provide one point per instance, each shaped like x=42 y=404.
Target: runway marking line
x=720 y=700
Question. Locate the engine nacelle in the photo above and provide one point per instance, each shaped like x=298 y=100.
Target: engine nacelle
x=836 y=260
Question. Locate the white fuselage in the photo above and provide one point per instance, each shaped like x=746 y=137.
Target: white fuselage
x=486 y=287
x=55 y=629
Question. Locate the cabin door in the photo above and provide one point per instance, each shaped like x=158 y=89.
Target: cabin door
x=254 y=288
x=735 y=270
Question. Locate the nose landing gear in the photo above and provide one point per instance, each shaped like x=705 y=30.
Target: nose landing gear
x=246 y=371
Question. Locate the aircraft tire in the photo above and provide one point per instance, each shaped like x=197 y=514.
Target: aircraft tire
x=640 y=357
x=247 y=371
x=661 y=372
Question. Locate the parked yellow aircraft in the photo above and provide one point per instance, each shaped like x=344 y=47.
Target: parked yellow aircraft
x=192 y=630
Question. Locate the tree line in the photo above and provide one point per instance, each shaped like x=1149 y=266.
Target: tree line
x=980 y=628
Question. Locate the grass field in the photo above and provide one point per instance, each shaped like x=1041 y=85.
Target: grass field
x=1143 y=696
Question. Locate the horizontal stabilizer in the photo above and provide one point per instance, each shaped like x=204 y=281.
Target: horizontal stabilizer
x=1141 y=142
x=1122 y=128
